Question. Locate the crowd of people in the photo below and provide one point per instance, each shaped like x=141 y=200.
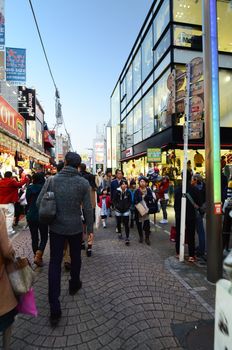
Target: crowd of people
x=82 y=199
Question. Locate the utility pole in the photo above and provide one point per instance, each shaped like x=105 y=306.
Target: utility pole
x=212 y=141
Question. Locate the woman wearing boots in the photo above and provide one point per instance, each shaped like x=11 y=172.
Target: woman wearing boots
x=143 y=222
x=8 y=301
x=39 y=231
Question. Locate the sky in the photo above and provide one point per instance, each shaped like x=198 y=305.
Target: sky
x=87 y=44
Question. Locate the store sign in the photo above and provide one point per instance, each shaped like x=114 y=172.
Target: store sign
x=26 y=104
x=195 y=130
x=48 y=139
x=2 y=22
x=154 y=155
x=15 y=65
x=11 y=120
x=129 y=152
x=2 y=65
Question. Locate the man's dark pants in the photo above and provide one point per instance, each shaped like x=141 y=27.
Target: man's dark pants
x=54 y=275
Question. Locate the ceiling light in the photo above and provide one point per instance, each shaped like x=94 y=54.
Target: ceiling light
x=227 y=78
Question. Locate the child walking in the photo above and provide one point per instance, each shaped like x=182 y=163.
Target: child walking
x=104 y=203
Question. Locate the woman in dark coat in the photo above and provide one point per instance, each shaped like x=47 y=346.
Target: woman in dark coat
x=39 y=231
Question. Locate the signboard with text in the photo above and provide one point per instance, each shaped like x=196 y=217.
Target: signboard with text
x=154 y=155
x=2 y=22
x=2 y=65
x=15 y=65
x=11 y=120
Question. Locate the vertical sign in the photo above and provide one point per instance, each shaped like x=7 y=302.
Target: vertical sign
x=15 y=65
x=2 y=66
x=2 y=22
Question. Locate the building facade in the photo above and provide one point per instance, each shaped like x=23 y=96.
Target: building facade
x=141 y=115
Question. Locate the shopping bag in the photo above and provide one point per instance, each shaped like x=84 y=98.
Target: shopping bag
x=98 y=217
x=21 y=275
x=27 y=304
x=47 y=207
x=142 y=208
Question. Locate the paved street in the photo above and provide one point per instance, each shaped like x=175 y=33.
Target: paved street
x=135 y=297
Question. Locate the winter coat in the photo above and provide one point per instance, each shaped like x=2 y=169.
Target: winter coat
x=7 y=300
x=9 y=190
x=190 y=210
x=91 y=179
x=32 y=194
x=108 y=201
x=122 y=200
x=113 y=187
x=163 y=188
x=138 y=196
x=71 y=193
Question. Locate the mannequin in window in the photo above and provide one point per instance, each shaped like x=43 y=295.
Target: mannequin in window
x=198 y=160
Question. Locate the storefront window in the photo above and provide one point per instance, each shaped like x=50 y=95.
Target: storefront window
x=162 y=47
x=161 y=94
x=137 y=123
x=148 y=111
x=147 y=54
x=188 y=37
x=161 y=20
x=225 y=88
x=187 y=11
x=129 y=84
x=224 y=16
x=137 y=78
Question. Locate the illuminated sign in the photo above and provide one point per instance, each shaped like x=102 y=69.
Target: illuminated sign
x=11 y=120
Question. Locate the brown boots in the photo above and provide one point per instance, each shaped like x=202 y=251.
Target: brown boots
x=38 y=260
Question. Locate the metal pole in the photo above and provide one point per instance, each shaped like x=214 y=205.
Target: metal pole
x=212 y=141
x=184 y=176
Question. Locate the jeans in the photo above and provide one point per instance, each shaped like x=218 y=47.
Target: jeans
x=57 y=243
x=201 y=233
x=125 y=221
x=37 y=229
x=190 y=236
x=163 y=204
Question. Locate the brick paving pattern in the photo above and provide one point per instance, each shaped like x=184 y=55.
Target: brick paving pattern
x=131 y=297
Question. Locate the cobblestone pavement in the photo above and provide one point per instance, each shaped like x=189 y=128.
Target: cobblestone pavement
x=130 y=299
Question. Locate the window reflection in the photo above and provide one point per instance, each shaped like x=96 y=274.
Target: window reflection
x=162 y=47
x=129 y=84
x=147 y=54
x=161 y=20
x=148 y=112
x=225 y=88
x=188 y=37
x=187 y=11
x=137 y=72
x=224 y=13
x=137 y=123
x=161 y=93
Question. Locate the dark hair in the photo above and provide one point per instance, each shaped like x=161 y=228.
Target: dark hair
x=82 y=167
x=8 y=174
x=104 y=189
x=123 y=181
x=73 y=159
x=132 y=182
x=117 y=171
x=60 y=166
x=143 y=178
x=38 y=178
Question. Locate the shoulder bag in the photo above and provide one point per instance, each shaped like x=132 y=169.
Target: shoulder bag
x=47 y=208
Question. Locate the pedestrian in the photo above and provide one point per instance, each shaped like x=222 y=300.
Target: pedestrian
x=200 y=185
x=104 y=203
x=122 y=203
x=190 y=222
x=9 y=196
x=132 y=190
x=227 y=221
x=143 y=193
x=107 y=184
x=8 y=301
x=114 y=185
x=71 y=191
x=162 y=196
x=38 y=230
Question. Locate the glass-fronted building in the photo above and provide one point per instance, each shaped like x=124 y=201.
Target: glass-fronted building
x=170 y=37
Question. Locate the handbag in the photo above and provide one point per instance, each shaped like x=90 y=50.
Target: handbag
x=21 y=275
x=142 y=208
x=47 y=208
x=27 y=304
x=152 y=204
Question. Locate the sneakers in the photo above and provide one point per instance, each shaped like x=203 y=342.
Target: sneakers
x=119 y=236
x=116 y=230
x=163 y=221
x=127 y=241
x=104 y=224
x=192 y=259
x=72 y=290
x=38 y=260
x=55 y=318
x=83 y=245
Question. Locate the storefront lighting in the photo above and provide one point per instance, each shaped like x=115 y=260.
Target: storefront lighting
x=227 y=78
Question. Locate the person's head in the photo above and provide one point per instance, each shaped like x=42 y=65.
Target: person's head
x=123 y=184
x=60 y=166
x=196 y=179
x=8 y=174
x=38 y=179
x=82 y=167
x=189 y=163
x=104 y=191
x=48 y=174
x=29 y=177
x=143 y=181
x=72 y=159
x=118 y=174
x=132 y=184
x=108 y=173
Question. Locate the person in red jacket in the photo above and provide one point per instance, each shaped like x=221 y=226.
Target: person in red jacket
x=162 y=195
x=104 y=203
x=8 y=196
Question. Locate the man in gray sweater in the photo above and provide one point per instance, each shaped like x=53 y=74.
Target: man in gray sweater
x=71 y=193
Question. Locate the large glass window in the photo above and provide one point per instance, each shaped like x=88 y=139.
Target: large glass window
x=137 y=123
x=148 y=114
x=123 y=135
x=224 y=13
x=129 y=84
x=161 y=94
x=137 y=78
x=130 y=129
x=188 y=37
x=162 y=47
x=161 y=20
x=147 y=54
x=187 y=11
x=225 y=88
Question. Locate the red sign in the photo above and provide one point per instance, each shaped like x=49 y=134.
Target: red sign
x=10 y=120
x=217 y=208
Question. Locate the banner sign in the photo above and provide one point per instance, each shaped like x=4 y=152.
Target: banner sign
x=11 y=120
x=2 y=65
x=26 y=102
x=2 y=22
x=15 y=65
x=154 y=155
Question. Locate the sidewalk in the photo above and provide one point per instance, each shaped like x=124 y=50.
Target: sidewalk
x=135 y=297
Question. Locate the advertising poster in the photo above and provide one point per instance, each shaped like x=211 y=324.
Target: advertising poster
x=15 y=65
x=2 y=67
x=153 y=155
x=2 y=22
x=11 y=120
